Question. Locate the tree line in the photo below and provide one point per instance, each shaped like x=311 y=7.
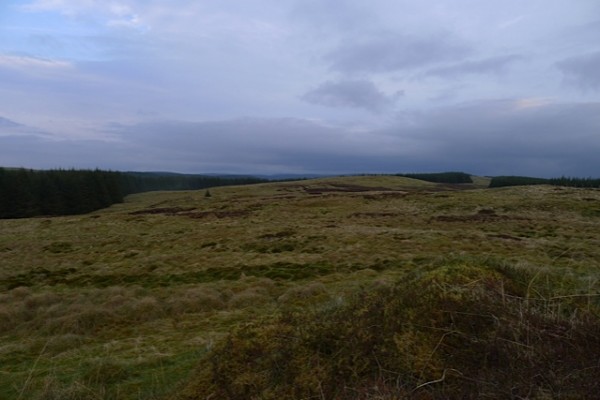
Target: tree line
x=441 y=177
x=137 y=182
x=501 y=181
x=29 y=193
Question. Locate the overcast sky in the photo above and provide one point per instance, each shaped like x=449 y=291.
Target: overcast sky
x=302 y=86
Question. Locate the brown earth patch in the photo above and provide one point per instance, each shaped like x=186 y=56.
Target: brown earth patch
x=375 y=214
x=345 y=189
x=505 y=236
x=188 y=212
x=278 y=235
x=483 y=215
x=163 y=210
x=470 y=218
x=218 y=214
x=385 y=195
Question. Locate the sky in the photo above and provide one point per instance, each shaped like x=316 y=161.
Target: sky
x=493 y=87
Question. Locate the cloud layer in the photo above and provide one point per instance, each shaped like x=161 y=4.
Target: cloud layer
x=582 y=71
x=385 y=52
x=351 y=93
x=494 y=137
x=301 y=85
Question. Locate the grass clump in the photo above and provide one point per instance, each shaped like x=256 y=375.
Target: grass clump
x=82 y=319
x=59 y=247
x=105 y=371
x=53 y=389
x=304 y=294
x=250 y=297
x=195 y=300
x=451 y=331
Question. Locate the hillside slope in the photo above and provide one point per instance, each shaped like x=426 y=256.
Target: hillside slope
x=131 y=301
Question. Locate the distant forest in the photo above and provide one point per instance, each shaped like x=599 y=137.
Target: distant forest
x=29 y=193
x=441 y=177
x=500 y=181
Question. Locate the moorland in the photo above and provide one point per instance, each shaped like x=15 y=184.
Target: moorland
x=366 y=287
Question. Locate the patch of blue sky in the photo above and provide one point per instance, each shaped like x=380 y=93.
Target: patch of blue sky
x=48 y=35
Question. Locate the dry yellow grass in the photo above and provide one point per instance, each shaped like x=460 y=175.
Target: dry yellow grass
x=149 y=285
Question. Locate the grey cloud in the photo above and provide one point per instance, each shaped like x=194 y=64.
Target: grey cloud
x=515 y=137
x=346 y=16
x=32 y=151
x=8 y=124
x=9 y=128
x=582 y=71
x=350 y=93
x=579 y=36
x=392 y=52
x=237 y=146
x=492 y=65
x=218 y=60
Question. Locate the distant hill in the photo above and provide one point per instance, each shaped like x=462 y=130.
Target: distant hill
x=28 y=193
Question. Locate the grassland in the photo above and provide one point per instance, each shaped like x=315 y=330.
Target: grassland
x=129 y=302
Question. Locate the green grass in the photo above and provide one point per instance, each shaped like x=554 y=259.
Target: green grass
x=129 y=302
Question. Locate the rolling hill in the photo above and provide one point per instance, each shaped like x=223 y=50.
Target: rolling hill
x=370 y=287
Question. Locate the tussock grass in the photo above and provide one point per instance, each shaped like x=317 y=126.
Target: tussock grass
x=303 y=295
x=251 y=297
x=150 y=285
x=449 y=331
x=195 y=300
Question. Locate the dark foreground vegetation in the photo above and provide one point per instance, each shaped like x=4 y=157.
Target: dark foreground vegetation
x=458 y=329
x=500 y=181
x=28 y=193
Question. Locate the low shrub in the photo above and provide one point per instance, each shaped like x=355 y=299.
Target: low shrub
x=450 y=331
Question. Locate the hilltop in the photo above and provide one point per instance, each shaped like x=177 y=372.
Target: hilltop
x=350 y=287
